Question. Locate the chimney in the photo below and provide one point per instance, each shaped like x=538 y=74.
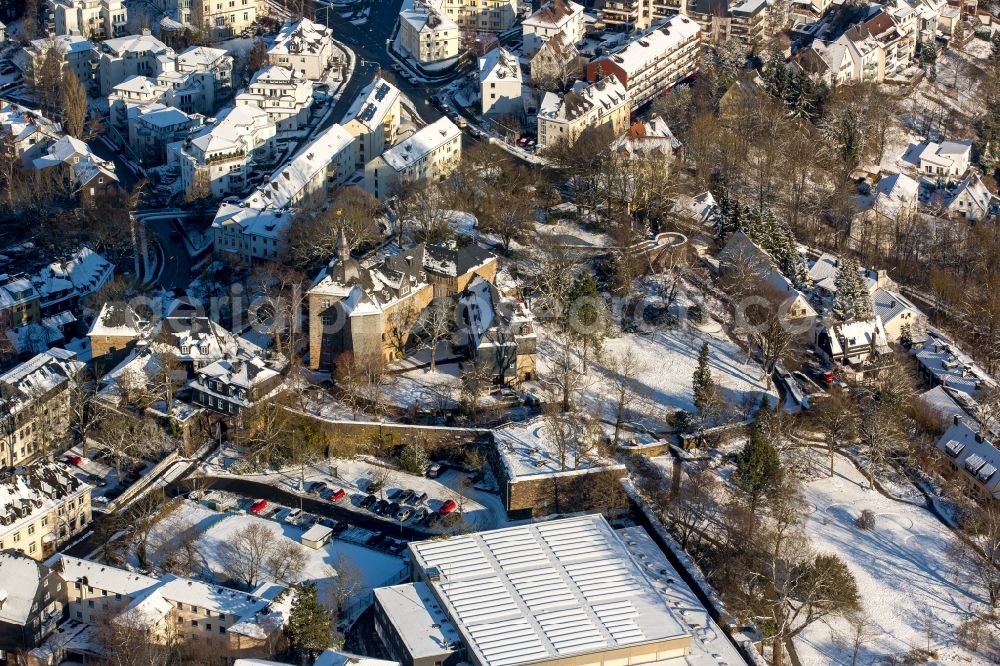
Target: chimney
x=979 y=438
x=956 y=419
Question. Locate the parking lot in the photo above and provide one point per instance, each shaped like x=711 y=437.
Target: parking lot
x=98 y=468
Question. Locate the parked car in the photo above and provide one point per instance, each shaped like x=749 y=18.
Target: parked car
x=404 y=513
x=316 y=488
x=368 y=502
x=380 y=507
x=418 y=499
x=337 y=495
x=257 y=506
x=340 y=527
x=420 y=515
x=447 y=507
x=392 y=509
x=96 y=480
x=328 y=522
x=406 y=497
x=74 y=460
x=394 y=493
x=434 y=470
x=374 y=539
x=433 y=520
x=294 y=517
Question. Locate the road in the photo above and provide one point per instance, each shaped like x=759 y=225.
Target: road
x=176 y=262
x=368 y=43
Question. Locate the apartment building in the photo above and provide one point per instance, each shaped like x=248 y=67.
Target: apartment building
x=35 y=399
x=555 y=16
x=33 y=601
x=500 y=83
x=154 y=128
x=223 y=620
x=93 y=19
x=43 y=506
x=284 y=95
x=564 y=117
x=135 y=55
x=624 y=15
x=373 y=120
x=218 y=161
x=430 y=154
x=223 y=19
x=304 y=47
x=77 y=54
x=480 y=15
x=654 y=61
x=747 y=21
x=231 y=385
x=218 y=62
x=427 y=34
x=250 y=235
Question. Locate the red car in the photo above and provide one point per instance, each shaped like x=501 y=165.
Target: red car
x=74 y=460
x=447 y=507
x=337 y=495
x=258 y=506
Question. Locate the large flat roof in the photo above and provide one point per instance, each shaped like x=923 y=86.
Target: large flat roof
x=546 y=591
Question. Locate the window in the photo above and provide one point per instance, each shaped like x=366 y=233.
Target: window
x=32 y=547
x=194 y=623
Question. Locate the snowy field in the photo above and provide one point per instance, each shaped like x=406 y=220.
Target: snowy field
x=214 y=529
x=666 y=359
x=903 y=570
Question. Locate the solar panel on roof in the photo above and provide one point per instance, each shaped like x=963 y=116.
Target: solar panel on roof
x=381 y=92
x=367 y=113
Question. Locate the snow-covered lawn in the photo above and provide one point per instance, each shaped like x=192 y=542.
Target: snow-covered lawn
x=905 y=575
x=666 y=360
x=215 y=529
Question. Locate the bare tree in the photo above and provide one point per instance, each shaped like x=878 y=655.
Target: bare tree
x=624 y=367
x=476 y=380
x=434 y=326
x=74 y=104
x=379 y=479
x=245 y=554
x=979 y=546
x=836 y=417
x=285 y=561
x=565 y=377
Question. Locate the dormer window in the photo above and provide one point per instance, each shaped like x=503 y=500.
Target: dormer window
x=185 y=349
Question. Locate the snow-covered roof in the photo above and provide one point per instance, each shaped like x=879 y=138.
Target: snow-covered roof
x=28 y=381
x=546 y=591
x=976 y=456
x=164 y=117
x=698 y=208
x=607 y=94
x=850 y=339
x=647 y=137
x=940 y=403
x=242 y=372
x=22 y=122
x=653 y=44
x=230 y=131
x=35 y=491
x=555 y=13
x=421 y=624
x=529 y=450
x=952 y=367
x=424 y=141
x=426 y=17
x=291 y=179
x=80 y=274
x=117 y=320
x=200 y=57
x=499 y=65
x=265 y=223
x=64 y=44
x=332 y=657
x=973 y=191
x=890 y=304
x=20 y=577
x=373 y=103
x=895 y=195
x=303 y=36
x=119 y=46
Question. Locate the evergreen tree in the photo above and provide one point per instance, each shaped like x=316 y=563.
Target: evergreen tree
x=845 y=301
x=758 y=470
x=586 y=316
x=413 y=458
x=702 y=382
x=800 y=274
x=308 y=628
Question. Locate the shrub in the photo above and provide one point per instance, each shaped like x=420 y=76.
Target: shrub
x=866 y=520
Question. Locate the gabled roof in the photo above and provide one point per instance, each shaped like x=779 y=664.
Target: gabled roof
x=20 y=580
x=890 y=304
x=424 y=141
x=499 y=65
x=372 y=103
x=302 y=37
x=976 y=456
x=555 y=13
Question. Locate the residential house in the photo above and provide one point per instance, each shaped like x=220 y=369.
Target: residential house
x=450 y=269
x=284 y=95
x=190 y=92
x=221 y=620
x=29 y=133
x=649 y=138
x=564 y=117
x=943 y=363
x=902 y=321
x=741 y=258
x=64 y=284
x=222 y=20
x=823 y=277
x=555 y=16
x=974 y=455
x=43 y=506
x=851 y=343
x=495 y=332
x=77 y=54
x=373 y=120
x=90 y=177
x=152 y=129
x=653 y=61
x=946 y=162
x=971 y=200
x=19 y=301
x=500 y=83
x=218 y=62
x=555 y=64
x=93 y=19
x=135 y=55
x=479 y=15
x=249 y=234
x=304 y=47
x=427 y=34
x=894 y=29
x=32 y=601
x=231 y=385
x=895 y=201
x=624 y=16
x=218 y=161
x=428 y=155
